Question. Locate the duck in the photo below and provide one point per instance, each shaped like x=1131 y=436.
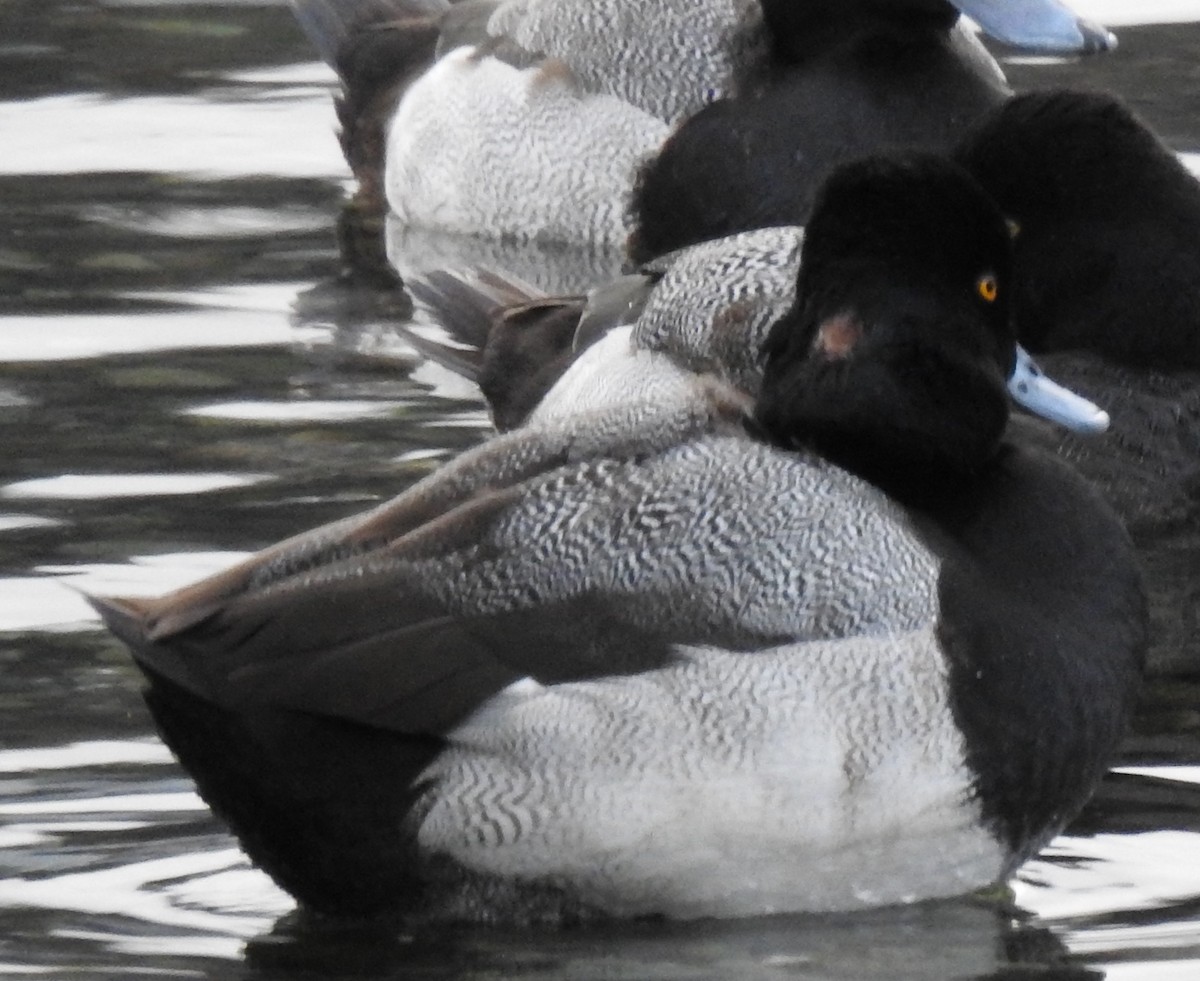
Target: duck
x=707 y=308
x=842 y=79
x=687 y=654
x=1107 y=293
x=529 y=119
x=1105 y=290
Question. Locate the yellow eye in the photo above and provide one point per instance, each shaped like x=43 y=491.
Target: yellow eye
x=987 y=287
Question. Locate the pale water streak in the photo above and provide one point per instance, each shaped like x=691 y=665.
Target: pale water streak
x=71 y=337
x=53 y=598
x=203 y=137
x=92 y=486
x=290 y=412
x=1124 y=13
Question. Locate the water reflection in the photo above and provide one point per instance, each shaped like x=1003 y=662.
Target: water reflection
x=916 y=944
x=188 y=373
x=558 y=269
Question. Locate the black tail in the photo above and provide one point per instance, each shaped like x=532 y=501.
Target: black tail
x=377 y=48
x=470 y=305
x=324 y=806
x=467 y=307
x=511 y=339
x=334 y=26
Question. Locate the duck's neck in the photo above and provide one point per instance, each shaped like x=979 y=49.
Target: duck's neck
x=1043 y=621
x=921 y=445
x=908 y=470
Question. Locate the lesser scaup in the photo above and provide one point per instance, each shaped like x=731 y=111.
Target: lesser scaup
x=527 y=119
x=687 y=655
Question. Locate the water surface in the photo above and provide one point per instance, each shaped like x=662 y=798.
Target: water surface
x=185 y=376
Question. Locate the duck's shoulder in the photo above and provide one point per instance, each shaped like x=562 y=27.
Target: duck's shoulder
x=713 y=303
x=702 y=311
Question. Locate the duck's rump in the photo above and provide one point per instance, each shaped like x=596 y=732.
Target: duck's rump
x=318 y=803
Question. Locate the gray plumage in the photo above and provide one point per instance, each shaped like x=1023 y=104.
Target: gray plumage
x=715 y=302
x=479 y=147
x=668 y=62
x=768 y=764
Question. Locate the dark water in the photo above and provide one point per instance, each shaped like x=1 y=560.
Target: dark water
x=184 y=377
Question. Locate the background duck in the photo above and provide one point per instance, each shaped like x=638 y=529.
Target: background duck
x=661 y=658
x=842 y=79
x=528 y=119
x=1107 y=292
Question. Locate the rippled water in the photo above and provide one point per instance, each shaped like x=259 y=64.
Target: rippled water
x=186 y=377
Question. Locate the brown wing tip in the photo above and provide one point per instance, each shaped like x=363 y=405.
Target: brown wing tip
x=127 y=617
x=143 y=620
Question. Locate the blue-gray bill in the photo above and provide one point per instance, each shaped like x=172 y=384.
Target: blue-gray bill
x=1042 y=25
x=1032 y=390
